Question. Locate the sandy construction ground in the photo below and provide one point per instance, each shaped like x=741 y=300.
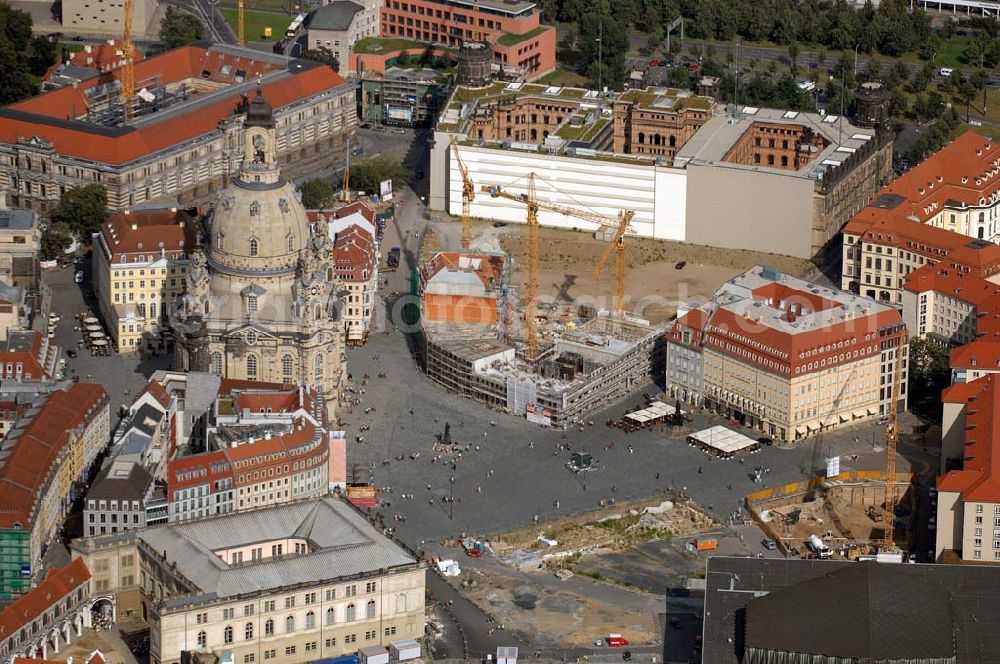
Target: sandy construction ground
x=654 y=286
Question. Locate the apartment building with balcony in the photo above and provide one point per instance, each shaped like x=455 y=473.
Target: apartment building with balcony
x=512 y=28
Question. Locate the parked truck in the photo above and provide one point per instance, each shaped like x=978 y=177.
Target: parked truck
x=819 y=548
x=392 y=260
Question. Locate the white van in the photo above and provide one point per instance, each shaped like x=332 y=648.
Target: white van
x=946 y=71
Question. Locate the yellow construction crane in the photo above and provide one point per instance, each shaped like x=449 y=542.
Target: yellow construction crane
x=239 y=14
x=620 y=225
x=128 y=53
x=891 y=439
x=618 y=246
x=345 y=191
x=468 y=195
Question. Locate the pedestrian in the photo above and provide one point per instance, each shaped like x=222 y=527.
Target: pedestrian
x=657 y=476
x=479 y=489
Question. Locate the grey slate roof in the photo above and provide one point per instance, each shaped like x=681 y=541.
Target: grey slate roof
x=121 y=480
x=343 y=544
x=335 y=16
x=923 y=605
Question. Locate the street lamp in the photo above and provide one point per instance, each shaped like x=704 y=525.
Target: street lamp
x=451 y=500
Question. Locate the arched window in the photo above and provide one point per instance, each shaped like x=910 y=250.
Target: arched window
x=290 y=624
x=981 y=230
x=202 y=639
x=642 y=138
x=400 y=603
x=770 y=160
x=220 y=240
x=291 y=243
x=331 y=616
x=248 y=631
x=287 y=365
x=982 y=217
x=269 y=628
x=206 y=307
x=254 y=209
x=252 y=366
x=227 y=634
x=673 y=141
x=370 y=609
x=254 y=246
x=349 y=613
x=784 y=160
x=310 y=620
x=251 y=304
x=217 y=363
x=318 y=370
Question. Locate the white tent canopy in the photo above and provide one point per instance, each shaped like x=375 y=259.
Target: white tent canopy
x=723 y=441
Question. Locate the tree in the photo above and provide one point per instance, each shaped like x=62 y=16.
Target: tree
x=317 y=193
x=15 y=27
x=55 y=241
x=899 y=73
x=793 y=56
x=43 y=55
x=324 y=55
x=367 y=174
x=82 y=210
x=603 y=43
x=923 y=77
x=178 y=28
x=15 y=83
x=873 y=70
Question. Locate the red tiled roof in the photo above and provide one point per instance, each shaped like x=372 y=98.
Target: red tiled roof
x=38 y=446
x=489 y=271
x=979 y=478
x=148 y=232
x=103 y=57
x=158 y=392
x=784 y=349
x=214 y=464
x=122 y=146
x=354 y=255
x=925 y=189
x=59 y=583
x=351 y=208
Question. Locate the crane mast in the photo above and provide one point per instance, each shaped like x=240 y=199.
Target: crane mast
x=239 y=21
x=468 y=195
x=128 y=70
x=621 y=227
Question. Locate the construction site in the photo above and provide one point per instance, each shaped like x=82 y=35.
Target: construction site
x=554 y=363
x=847 y=513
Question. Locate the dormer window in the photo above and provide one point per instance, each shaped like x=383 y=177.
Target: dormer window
x=220 y=240
x=254 y=246
x=291 y=243
x=254 y=209
x=251 y=304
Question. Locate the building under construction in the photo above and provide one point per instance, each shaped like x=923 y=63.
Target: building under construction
x=473 y=345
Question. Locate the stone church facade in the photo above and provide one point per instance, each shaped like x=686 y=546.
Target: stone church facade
x=261 y=301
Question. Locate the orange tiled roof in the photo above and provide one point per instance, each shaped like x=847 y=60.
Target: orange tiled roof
x=979 y=479
x=38 y=446
x=964 y=172
x=356 y=246
x=149 y=231
x=59 y=583
x=52 y=115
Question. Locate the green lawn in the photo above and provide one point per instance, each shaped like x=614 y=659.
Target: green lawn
x=566 y=77
x=379 y=45
x=985 y=130
x=511 y=39
x=255 y=22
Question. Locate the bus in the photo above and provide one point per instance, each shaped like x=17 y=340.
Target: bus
x=295 y=25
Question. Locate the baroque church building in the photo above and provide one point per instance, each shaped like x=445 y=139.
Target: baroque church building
x=261 y=300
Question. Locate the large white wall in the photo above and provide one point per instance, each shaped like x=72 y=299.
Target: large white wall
x=658 y=196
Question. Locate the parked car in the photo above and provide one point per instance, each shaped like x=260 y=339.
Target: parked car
x=78 y=277
x=399 y=130
x=765 y=440
x=499 y=224
x=946 y=71
x=679 y=265
x=769 y=544
x=654 y=63
x=71 y=353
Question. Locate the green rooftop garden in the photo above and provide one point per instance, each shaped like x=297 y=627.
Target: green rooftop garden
x=379 y=45
x=510 y=39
